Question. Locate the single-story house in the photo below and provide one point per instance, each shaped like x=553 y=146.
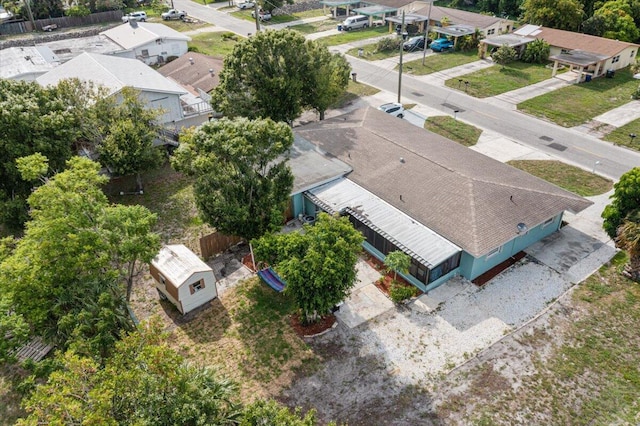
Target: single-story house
x=26 y=63
x=115 y=74
x=586 y=54
x=487 y=24
x=453 y=210
x=183 y=278
x=148 y=42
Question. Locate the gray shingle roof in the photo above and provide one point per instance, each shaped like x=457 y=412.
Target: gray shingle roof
x=472 y=200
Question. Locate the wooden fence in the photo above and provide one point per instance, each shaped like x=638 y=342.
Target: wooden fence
x=215 y=243
x=62 y=22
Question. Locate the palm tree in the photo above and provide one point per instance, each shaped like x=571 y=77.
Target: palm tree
x=629 y=239
x=397 y=261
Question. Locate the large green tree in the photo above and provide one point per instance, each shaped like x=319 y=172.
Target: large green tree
x=143 y=383
x=625 y=201
x=242 y=179
x=273 y=73
x=68 y=275
x=618 y=22
x=559 y=14
x=33 y=119
x=318 y=266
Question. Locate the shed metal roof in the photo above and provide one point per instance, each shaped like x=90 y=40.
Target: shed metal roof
x=405 y=232
x=177 y=263
x=456 y=30
x=375 y=10
x=512 y=40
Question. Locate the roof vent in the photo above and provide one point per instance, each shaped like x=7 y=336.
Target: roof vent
x=402 y=159
x=191 y=60
x=211 y=71
x=522 y=228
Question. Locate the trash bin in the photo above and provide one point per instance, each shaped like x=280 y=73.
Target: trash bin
x=610 y=73
x=339 y=27
x=353 y=77
x=587 y=78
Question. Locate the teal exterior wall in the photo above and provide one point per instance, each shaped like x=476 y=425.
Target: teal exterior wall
x=471 y=267
x=297 y=201
x=423 y=287
x=309 y=208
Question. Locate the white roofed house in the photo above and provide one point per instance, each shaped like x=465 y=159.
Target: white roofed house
x=114 y=74
x=26 y=63
x=150 y=43
x=183 y=278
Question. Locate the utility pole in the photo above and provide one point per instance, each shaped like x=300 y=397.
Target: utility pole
x=426 y=34
x=28 y=3
x=255 y=8
x=400 y=66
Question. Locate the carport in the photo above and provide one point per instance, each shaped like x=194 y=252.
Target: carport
x=409 y=19
x=375 y=10
x=335 y=4
x=512 y=40
x=455 y=31
x=586 y=64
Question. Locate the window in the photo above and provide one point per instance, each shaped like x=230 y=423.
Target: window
x=547 y=222
x=491 y=31
x=162 y=279
x=494 y=252
x=633 y=53
x=196 y=287
x=145 y=53
x=615 y=59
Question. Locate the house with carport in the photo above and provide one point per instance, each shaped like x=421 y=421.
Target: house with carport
x=454 y=211
x=589 y=56
x=183 y=278
x=148 y=42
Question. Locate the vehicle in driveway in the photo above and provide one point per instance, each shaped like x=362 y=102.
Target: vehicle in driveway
x=393 y=108
x=441 y=45
x=246 y=5
x=173 y=14
x=264 y=15
x=135 y=16
x=415 y=43
x=355 y=22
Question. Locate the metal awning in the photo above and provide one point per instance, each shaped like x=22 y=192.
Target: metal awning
x=406 y=233
x=579 y=58
x=511 y=40
x=408 y=19
x=375 y=10
x=455 y=30
x=335 y=3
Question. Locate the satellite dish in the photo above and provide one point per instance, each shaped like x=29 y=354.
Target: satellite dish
x=637 y=76
x=522 y=228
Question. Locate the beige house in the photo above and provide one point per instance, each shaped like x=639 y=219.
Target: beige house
x=183 y=278
x=488 y=25
x=588 y=55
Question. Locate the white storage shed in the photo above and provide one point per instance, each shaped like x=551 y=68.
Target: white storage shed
x=183 y=278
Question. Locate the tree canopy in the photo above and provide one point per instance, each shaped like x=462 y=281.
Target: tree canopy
x=275 y=74
x=242 y=179
x=67 y=276
x=559 y=14
x=625 y=201
x=318 y=266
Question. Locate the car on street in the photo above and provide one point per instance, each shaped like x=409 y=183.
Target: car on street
x=393 y=108
x=415 y=43
x=441 y=45
x=264 y=15
x=246 y=5
x=135 y=16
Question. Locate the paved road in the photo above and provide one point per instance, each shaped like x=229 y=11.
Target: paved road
x=568 y=144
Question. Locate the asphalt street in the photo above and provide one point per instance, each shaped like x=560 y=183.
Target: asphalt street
x=567 y=144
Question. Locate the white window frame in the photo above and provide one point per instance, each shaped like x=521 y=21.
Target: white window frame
x=548 y=222
x=494 y=252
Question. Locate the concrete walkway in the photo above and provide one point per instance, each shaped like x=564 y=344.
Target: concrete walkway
x=622 y=115
x=513 y=98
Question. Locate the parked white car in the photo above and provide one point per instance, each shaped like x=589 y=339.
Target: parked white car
x=135 y=16
x=246 y=5
x=264 y=15
x=393 y=108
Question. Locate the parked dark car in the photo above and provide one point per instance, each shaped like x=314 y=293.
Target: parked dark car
x=415 y=43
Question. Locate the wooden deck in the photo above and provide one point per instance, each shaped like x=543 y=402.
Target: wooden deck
x=35 y=350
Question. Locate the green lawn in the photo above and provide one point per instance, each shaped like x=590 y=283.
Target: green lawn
x=495 y=80
x=439 y=61
x=370 y=52
x=217 y=44
x=279 y=19
x=355 y=35
x=579 y=103
x=182 y=26
x=569 y=177
x=354 y=91
x=620 y=136
x=453 y=129
x=315 y=27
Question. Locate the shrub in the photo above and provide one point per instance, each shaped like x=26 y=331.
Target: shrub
x=78 y=10
x=536 y=52
x=504 y=55
x=400 y=292
x=636 y=94
x=388 y=43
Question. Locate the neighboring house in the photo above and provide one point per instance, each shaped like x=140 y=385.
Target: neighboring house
x=150 y=43
x=26 y=63
x=488 y=25
x=115 y=74
x=586 y=54
x=69 y=48
x=453 y=210
x=199 y=74
x=183 y=278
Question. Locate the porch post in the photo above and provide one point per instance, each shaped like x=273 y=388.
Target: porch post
x=579 y=74
x=555 y=68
